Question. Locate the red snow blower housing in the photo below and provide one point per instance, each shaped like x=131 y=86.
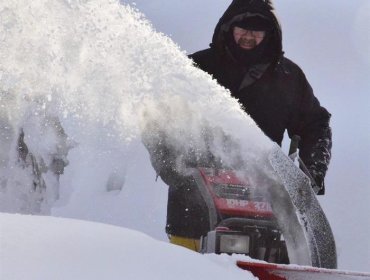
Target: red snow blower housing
x=245 y=223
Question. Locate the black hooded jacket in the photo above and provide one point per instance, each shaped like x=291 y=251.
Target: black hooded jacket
x=273 y=91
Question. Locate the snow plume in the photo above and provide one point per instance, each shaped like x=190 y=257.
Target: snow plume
x=100 y=71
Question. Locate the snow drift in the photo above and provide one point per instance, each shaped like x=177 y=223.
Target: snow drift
x=44 y=248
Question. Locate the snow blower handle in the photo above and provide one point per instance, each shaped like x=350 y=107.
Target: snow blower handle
x=293 y=154
x=293 y=149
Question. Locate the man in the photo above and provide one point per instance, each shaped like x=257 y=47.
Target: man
x=246 y=57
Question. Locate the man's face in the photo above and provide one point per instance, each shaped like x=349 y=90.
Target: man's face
x=248 y=39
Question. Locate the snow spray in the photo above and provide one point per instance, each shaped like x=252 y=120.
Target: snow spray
x=102 y=71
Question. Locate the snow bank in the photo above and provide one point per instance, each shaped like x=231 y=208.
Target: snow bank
x=43 y=248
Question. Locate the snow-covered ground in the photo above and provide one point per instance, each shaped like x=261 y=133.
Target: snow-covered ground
x=104 y=73
x=44 y=248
